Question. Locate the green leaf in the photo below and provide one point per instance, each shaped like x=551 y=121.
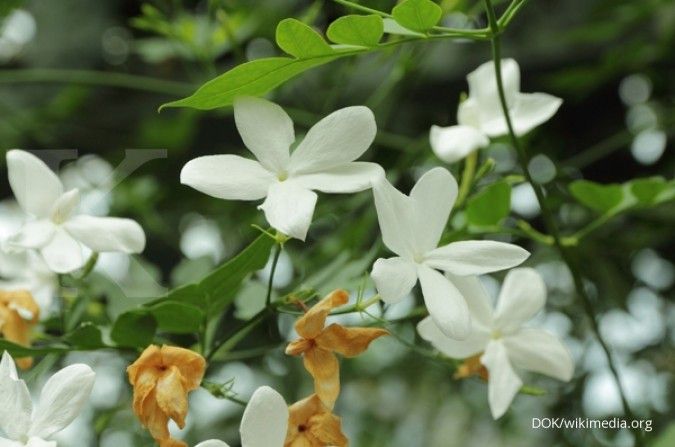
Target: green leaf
x=253 y=78
x=602 y=198
x=217 y=290
x=647 y=190
x=221 y=285
x=176 y=317
x=300 y=40
x=135 y=329
x=417 y=15
x=490 y=205
x=18 y=351
x=365 y=31
x=86 y=336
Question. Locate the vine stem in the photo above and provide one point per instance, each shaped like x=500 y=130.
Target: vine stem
x=467 y=178
x=270 y=282
x=547 y=215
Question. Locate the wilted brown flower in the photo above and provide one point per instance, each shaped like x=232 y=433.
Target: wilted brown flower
x=162 y=378
x=18 y=314
x=318 y=344
x=311 y=424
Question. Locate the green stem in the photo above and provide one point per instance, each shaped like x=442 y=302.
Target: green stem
x=467 y=178
x=270 y=282
x=89 y=266
x=231 y=340
x=588 y=229
x=547 y=215
x=96 y=78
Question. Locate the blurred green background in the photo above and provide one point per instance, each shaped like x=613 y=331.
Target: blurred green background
x=89 y=76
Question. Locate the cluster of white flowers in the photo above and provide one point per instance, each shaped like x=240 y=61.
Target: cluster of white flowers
x=461 y=322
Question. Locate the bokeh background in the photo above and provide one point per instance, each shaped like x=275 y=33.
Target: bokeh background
x=87 y=77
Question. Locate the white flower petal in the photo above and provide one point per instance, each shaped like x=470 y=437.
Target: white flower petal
x=63 y=253
x=265 y=420
x=540 y=351
x=213 y=443
x=7 y=367
x=4 y=442
x=395 y=215
x=339 y=138
x=266 y=130
x=503 y=383
x=469 y=113
x=38 y=442
x=228 y=177
x=35 y=186
x=102 y=234
x=33 y=234
x=351 y=177
x=394 y=278
x=457 y=349
x=476 y=257
x=453 y=143
x=445 y=304
x=289 y=208
x=483 y=83
x=16 y=407
x=523 y=294
x=532 y=109
x=433 y=196
x=62 y=399
x=65 y=205
x=476 y=298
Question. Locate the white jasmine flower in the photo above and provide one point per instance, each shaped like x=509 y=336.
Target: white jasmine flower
x=56 y=231
x=61 y=400
x=27 y=271
x=323 y=161
x=412 y=227
x=480 y=116
x=501 y=340
x=264 y=423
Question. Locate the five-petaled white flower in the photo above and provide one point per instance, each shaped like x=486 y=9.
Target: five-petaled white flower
x=412 y=227
x=61 y=400
x=480 y=116
x=264 y=423
x=323 y=161
x=56 y=231
x=501 y=337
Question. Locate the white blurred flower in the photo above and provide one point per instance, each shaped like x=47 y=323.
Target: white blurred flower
x=93 y=177
x=501 y=337
x=27 y=271
x=264 y=423
x=323 y=161
x=16 y=31
x=412 y=227
x=61 y=400
x=24 y=270
x=283 y=274
x=56 y=232
x=480 y=116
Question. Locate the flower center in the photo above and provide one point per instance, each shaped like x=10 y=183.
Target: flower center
x=282 y=175
x=496 y=334
x=418 y=258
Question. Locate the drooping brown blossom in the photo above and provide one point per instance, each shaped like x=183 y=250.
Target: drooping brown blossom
x=162 y=378
x=312 y=424
x=319 y=343
x=18 y=314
